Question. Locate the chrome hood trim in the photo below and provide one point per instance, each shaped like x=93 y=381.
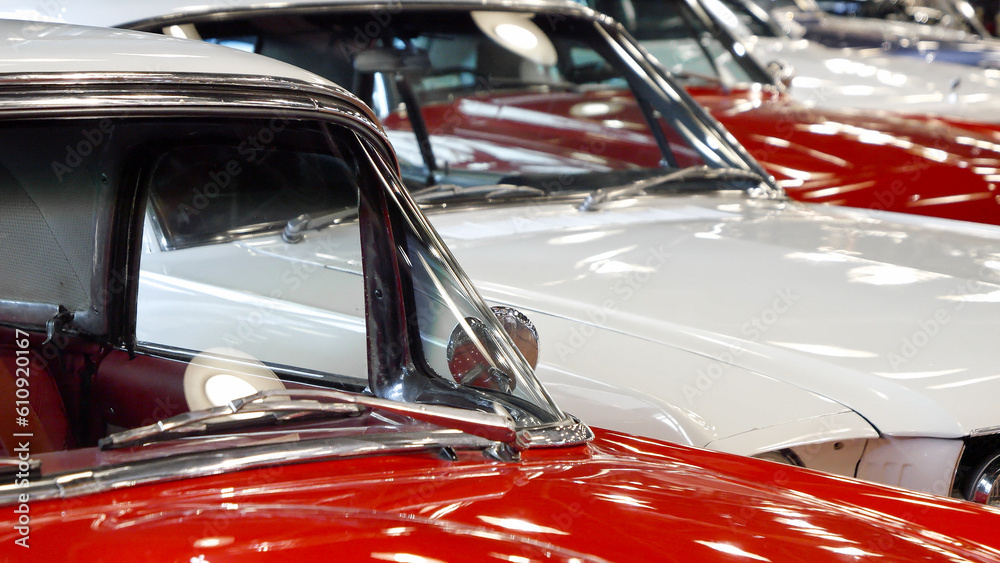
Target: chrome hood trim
x=201 y=464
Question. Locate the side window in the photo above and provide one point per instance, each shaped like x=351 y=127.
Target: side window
x=255 y=248
x=52 y=199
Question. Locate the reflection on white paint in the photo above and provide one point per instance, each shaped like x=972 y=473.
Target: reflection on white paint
x=964 y=383
x=824 y=350
x=818 y=256
x=918 y=374
x=577 y=238
x=806 y=82
x=503 y=228
x=991 y=297
x=616 y=267
x=888 y=274
x=858 y=90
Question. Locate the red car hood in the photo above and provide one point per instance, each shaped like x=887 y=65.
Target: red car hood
x=862 y=158
x=854 y=158
x=619 y=498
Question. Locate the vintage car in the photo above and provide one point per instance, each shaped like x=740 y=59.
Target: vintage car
x=843 y=78
x=424 y=435
x=684 y=300
x=953 y=14
x=904 y=38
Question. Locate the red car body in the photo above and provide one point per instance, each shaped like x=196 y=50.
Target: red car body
x=618 y=498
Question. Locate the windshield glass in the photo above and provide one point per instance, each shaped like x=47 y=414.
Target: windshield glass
x=474 y=97
x=679 y=40
x=233 y=294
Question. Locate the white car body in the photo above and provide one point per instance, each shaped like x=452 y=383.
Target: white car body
x=867 y=78
x=861 y=343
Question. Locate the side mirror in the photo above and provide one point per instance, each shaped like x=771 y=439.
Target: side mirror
x=521 y=331
x=781 y=72
x=466 y=361
x=392 y=61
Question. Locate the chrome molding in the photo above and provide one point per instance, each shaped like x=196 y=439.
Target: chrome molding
x=988 y=431
x=215 y=13
x=97 y=94
x=569 y=432
x=202 y=464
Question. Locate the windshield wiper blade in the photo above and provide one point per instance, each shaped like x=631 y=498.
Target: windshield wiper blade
x=488 y=191
x=297 y=226
x=285 y=404
x=692 y=174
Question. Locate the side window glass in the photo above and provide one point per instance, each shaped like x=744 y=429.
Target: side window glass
x=256 y=249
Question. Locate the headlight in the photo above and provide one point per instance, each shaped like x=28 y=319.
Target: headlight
x=984 y=486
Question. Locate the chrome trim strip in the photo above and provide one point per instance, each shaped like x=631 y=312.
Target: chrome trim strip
x=91 y=93
x=25 y=314
x=292 y=373
x=568 y=432
x=217 y=13
x=493 y=427
x=988 y=431
x=203 y=464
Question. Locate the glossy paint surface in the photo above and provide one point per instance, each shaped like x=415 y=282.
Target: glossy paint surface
x=861 y=159
x=931 y=43
x=845 y=157
x=845 y=78
x=577 y=504
x=886 y=317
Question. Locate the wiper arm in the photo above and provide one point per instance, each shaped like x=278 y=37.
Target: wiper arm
x=296 y=226
x=285 y=404
x=694 y=173
x=489 y=191
x=687 y=76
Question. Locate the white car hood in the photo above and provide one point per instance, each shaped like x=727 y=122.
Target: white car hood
x=894 y=316
x=851 y=78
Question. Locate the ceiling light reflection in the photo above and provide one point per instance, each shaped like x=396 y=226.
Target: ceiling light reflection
x=731 y=550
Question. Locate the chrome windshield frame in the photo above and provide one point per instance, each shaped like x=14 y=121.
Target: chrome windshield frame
x=157 y=94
